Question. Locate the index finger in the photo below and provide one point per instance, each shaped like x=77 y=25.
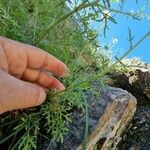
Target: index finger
x=38 y=58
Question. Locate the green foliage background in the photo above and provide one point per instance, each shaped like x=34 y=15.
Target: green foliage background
x=64 y=33
x=27 y=21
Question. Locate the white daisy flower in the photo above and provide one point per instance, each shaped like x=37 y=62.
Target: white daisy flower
x=115 y=41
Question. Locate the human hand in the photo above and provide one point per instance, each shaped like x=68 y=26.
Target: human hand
x=24 y=75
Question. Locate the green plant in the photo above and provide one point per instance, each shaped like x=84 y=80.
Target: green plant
x=27 y=21
x=50 y=25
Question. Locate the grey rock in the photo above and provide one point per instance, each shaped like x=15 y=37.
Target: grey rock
x=108 y=117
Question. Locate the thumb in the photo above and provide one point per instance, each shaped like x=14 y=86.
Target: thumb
x=17 y=94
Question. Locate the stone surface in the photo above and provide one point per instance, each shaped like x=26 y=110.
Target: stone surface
x=108 y=117
x=138 y=135
x=136 y=82
x=141 y=80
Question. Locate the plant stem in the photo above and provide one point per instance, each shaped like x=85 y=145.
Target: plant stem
x=79 y=8
x=76 y=9
x=86 y=125
x=109 y=68
x=119 y=12
x=132 y=48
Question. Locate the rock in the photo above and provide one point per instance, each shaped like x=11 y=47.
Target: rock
x=138 y=137
x=136 y=82
x=108 y=117
x=141 y=80
x=116 y=117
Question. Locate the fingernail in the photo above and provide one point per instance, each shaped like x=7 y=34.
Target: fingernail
x=66 y=72
x=42 y=97
x=61 y=87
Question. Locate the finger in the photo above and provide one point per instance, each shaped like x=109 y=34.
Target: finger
x=42 y=78
x=17 y=94
x=40 y=86
x=37 y=58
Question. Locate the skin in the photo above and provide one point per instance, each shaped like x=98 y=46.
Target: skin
x=24 y=75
